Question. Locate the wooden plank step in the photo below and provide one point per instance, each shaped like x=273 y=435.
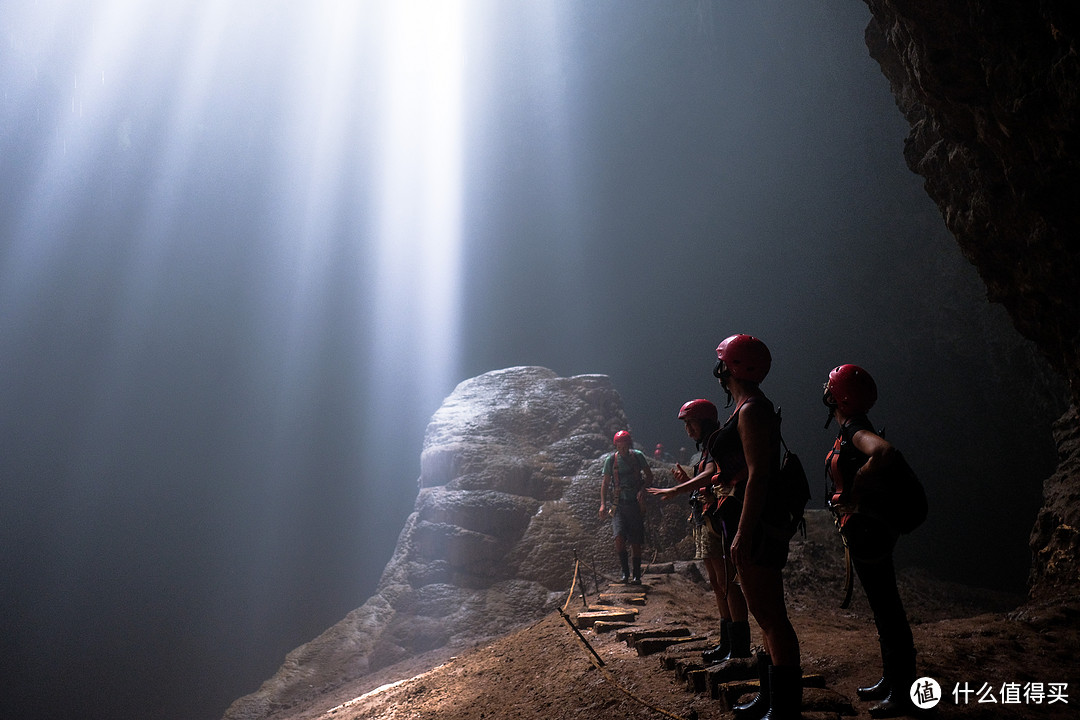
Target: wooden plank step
x=688 y=664
x=620 y=589
x=677 y=657
x=648 y=646
x=697 y=681
x=728 y=671
x=630 y=636
x=604 y=626
x=586 y=618
x=622 y=598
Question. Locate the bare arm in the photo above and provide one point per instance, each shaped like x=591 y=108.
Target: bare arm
x=687 y=484
x=604 y=480
x=879 y=455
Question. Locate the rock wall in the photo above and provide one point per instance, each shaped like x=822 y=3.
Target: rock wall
x=1055 y=539
x=992 y=93
x=509 y=493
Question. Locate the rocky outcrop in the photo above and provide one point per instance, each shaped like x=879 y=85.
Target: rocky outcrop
x=508 y=497
x=1055 y=539
x=992 y=93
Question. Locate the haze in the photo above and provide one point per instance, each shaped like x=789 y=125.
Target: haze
x=247 y=248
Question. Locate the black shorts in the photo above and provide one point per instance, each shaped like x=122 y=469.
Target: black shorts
x=868 y=538
x=629 y=522
x=770 y=547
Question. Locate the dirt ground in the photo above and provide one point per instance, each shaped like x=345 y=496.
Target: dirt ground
x=544 y=671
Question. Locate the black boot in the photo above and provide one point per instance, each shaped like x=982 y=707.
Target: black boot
x=899 y=674
x=716 y=654
x=785 y=693
x=624 y=560
x=880 y=689
x=637 y=571
x=740 y=640
x=756 y=708
x=877 y=691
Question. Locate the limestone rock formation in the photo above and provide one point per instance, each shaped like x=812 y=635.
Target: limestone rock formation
x=992 y=93
x=509 y=493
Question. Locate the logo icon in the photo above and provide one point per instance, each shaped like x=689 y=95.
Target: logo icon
x=925 y=693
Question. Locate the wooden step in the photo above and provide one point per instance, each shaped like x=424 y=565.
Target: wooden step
x=626 y=589
x=622 y=598
x=604 y=626
x=630 y=636
x=648 y=646
x=697 y=681
x=586 y=618
x=728 y=671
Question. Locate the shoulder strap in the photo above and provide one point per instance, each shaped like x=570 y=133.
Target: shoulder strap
x=779 y=420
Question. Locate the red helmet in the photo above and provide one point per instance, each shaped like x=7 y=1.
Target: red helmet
x=746 y=358
x=622 y=436
x=698 y=410
x=854 y=391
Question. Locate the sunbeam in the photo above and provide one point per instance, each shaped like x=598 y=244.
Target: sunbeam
x=419 y=210
x=247 y=248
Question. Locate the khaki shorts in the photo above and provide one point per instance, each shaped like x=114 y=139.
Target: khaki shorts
x=707 y=544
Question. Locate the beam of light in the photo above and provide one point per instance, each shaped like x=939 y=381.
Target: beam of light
x=76 y=65
x=151 y=103
x=419 y=224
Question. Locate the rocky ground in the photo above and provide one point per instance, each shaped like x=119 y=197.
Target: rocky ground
x=544 y=671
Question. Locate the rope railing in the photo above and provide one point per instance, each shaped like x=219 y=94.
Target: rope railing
x=595 y=656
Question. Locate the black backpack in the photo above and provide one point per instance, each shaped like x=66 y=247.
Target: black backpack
x=900 y=498
x=897 y=496
x=791 y=490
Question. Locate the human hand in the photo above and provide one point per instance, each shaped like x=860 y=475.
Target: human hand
x=679 y=474
x=740 y=550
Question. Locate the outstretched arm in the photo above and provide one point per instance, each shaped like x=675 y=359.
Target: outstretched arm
x=687 y=484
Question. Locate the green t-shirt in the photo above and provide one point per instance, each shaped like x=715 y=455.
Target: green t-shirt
x=630 y=473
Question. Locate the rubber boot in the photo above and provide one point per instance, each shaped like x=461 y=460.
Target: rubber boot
x=624 y=560
x=715 y=654
x=785 y=693
x=880 y=689
x=900 y=674
x=877 y=691
x=740 y=640
x=636 y=580
x=758 y=705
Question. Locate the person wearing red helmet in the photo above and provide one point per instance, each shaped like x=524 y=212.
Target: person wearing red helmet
x=858 y=458
x=626 y=474
x=701 y=421
x=747 y=454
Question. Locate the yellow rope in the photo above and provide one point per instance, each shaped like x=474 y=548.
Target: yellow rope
x=573 y=583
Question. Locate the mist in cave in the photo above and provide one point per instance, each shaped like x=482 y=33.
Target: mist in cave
x=247 y=249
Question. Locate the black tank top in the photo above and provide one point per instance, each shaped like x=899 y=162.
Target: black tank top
x=844 y=459
x=726 y=448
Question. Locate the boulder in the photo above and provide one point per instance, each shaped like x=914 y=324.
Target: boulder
x=508 y=499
